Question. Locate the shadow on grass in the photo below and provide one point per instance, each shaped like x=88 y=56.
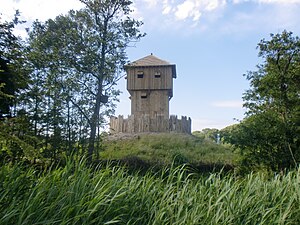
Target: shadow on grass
x=134 y=164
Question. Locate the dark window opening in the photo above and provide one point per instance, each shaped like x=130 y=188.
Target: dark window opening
x=157 y=75
x=140 y=74
x=144 y=95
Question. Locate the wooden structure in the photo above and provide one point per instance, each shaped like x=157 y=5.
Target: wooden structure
x=146 y=124
x=150 y=84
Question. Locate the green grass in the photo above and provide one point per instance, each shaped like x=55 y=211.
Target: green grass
x=164 y=149
x=75 y=194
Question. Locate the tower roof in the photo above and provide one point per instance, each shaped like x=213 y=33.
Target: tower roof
x=150 y=61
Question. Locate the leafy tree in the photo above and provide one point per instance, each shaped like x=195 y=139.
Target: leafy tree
x=15 y=130
x=53 y=83
x=13 y=77
x=270 y=135
x=111 y=30
x=80 y=57
x=208 y=134
x=17 y=140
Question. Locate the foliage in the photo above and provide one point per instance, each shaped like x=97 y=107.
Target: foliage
x=12 y=77
x=77 y=60
x=270 y=134
x=112 y=31
x=76 y=194
x=17 y=142
x=211 y=134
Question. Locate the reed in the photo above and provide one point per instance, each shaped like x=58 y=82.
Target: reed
x=110 y=195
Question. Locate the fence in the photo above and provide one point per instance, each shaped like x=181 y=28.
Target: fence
x=146 y=123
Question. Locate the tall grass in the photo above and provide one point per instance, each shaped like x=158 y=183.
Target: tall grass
x=109 y=195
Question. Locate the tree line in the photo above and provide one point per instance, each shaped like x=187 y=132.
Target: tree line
x=58 y=85
x=269 y=135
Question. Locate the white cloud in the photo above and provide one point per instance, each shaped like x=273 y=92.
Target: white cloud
x=214 y=4
x=31 y=10
x=167 y=10
x=38 y=9
x=195 y=8
x=228 y=104
x=167 y=7
x=135 y=13
x=185 y=9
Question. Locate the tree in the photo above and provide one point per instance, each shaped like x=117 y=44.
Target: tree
x=83 y=54
x=113 y=31
x=269 y=135
x=211 y=134
x=13 y=77
x=15 y=130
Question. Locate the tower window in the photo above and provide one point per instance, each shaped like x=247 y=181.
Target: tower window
x=144 y=95
x=157 y=75
x=140 y=74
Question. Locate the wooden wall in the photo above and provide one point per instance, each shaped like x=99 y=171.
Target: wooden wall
x=153 y=103
x=149 y=81
x=146 y=123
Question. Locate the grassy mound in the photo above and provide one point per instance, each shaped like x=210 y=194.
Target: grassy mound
x=145 y=150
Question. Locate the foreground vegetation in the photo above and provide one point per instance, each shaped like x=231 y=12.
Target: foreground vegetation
x=75 y=194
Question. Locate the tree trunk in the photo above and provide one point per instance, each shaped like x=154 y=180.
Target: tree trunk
x=69 y=127
x=94 y=122
x=95 y=116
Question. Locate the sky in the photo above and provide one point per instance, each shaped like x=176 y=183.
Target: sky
x=212 y=42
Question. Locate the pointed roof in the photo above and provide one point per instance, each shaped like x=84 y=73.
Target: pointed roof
x=152 y=60
x=149 y=60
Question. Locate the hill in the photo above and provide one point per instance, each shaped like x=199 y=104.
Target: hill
x=162 y=149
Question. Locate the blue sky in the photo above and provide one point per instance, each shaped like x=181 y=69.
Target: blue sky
x=212 y=42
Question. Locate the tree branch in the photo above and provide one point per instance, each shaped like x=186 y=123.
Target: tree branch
x=80 y=109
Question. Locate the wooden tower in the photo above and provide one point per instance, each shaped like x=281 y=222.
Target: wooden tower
x=150 y=84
